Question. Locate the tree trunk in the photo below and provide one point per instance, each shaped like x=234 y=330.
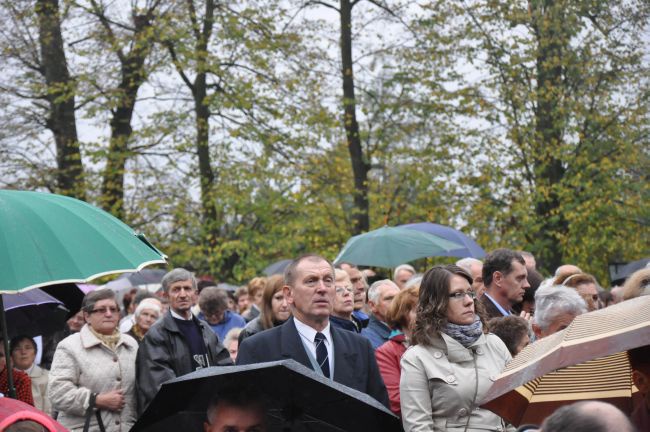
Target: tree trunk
x=360 y=166
x=551 y=42
x=133 y=75
x=61 y=98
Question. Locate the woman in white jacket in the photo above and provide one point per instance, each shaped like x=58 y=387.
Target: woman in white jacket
x=452 y=362
x=93 y=371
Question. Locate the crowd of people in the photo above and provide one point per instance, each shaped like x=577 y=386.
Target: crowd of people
x=427 y=346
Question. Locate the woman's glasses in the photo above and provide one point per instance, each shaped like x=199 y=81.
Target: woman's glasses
x=103 y=310
x=460 y=295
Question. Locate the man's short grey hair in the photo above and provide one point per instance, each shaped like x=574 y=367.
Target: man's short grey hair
x=467 y=263
x=176 y=275
x=399 y=268
x=552 y=301
x=373 y=291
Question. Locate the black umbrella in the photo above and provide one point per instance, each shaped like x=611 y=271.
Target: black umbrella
x=298 y=399
x=277 y=267
x=33 y=313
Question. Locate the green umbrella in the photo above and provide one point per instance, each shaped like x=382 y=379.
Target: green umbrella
x=392 y=246
x=48 y=239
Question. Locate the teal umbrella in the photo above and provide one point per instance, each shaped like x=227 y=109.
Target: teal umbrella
x=392 y=246
x=48 y=239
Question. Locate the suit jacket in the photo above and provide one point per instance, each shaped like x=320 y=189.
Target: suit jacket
x=491 y=311
x=354 y=359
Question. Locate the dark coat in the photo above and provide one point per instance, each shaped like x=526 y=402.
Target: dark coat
x=352 y=325
x=252 y=327
x=164 y=355
x=489 y=309
x=354 y=359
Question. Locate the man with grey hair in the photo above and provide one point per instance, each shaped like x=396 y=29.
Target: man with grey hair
x=402 y=274
x=475 y=268
x=178 y=343
x=380 y=297
x=555 y=308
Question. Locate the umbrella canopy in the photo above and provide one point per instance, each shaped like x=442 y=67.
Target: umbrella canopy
x=144 y=277
x=12 y=411
x=590 y=336
x=392 y=246
x=33 y=313
x=469 y=247
x=607 y=379
x=71 y=295
x=297 y=398
x=47 y=239
x=277 y=267
x=629 y=268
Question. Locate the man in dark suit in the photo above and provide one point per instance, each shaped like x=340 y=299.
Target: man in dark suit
x=505 y=279
x=308 y=338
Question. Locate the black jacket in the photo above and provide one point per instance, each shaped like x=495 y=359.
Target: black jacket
x=354 y=359
x=164 y=354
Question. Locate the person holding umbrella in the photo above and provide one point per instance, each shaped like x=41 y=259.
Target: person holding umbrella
x=93 y=372
x=452 y=361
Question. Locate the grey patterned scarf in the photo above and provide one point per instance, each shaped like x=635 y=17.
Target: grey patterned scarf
x=465 y=334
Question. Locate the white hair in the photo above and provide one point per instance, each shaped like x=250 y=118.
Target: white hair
x=467 y=263
x=415 y=280
x=552 y=301
x=373 y=291
x=399 y=268
x=148 y=303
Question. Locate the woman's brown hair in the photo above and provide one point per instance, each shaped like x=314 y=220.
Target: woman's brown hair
x=273 y=285
x=433 y=302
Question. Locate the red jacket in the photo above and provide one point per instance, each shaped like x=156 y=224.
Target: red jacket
x=22 y=383
x=388 y=356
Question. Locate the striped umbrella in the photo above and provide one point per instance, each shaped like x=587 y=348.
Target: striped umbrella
x=586 y=361
x=608 y=379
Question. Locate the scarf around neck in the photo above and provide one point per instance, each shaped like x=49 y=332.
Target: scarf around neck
x=465 y=334
x=110 y=340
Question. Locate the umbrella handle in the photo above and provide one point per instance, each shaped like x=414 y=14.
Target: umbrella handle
x=5 y=342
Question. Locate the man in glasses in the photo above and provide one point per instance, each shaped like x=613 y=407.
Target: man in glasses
x=178 y=343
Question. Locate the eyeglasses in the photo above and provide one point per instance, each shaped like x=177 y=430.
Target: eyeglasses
x=460 y=295
x=343 y=290
x=112 y=310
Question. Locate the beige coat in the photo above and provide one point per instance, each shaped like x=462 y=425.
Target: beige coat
x=39 y=377
x=83 y=365
x=438 y=384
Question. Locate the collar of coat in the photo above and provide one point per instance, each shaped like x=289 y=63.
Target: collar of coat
x=455 y=352
x=88 y=339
